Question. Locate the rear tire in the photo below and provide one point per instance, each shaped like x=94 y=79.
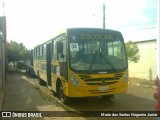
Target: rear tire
x=41 y=82
x=26 y=70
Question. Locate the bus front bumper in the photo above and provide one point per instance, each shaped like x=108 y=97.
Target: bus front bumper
x=91 y=91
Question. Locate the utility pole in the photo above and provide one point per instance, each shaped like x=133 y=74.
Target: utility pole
x=104 y=18
x=4 y=31
x=158 y=42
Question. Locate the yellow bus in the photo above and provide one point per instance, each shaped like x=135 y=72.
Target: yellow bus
x=83 y=62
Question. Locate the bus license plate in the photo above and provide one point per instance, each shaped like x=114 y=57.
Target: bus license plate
x=103 y=88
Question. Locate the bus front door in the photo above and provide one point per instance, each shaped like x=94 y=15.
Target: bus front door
x=48 y=62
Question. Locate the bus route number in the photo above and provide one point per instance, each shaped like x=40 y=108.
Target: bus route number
x=74 y=47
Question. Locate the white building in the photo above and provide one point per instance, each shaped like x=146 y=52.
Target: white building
x=146 y=67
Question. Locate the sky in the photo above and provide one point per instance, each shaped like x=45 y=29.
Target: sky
x=35 y=21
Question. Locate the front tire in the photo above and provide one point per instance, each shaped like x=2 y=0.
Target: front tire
x=62 y=96
x=41 y=82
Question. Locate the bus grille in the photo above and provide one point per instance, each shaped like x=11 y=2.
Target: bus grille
x=101 y=81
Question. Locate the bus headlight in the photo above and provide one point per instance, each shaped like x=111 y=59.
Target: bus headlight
x=74 y=80
x=125 y=77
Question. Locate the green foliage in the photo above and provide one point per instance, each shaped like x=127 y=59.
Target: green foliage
x=16 y=51
x=132 y=52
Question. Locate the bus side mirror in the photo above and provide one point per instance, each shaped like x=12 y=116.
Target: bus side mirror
x=60 y=47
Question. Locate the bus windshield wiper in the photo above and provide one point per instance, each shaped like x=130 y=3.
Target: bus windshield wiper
x=107 y=61
x=93 y=59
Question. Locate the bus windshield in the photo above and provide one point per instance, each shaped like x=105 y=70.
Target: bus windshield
x=97 y=53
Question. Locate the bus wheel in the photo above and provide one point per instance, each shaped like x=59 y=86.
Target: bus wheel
x=62 y=97
x=41 y=82
x=26 y=70
x=107 y=97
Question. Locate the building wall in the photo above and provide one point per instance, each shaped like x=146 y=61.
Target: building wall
x=146 y=67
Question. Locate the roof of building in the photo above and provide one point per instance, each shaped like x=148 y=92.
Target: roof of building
x=140 y=41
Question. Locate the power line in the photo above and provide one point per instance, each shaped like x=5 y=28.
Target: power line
x=138 y=29
x=137 y=24
x=151 y=27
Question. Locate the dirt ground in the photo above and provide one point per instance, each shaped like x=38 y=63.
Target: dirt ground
x=142 y=82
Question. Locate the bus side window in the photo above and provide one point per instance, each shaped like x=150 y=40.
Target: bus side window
x=40 y=52
x=44 y=52
x=61 y=51
x=53 y=50
x=60 y=47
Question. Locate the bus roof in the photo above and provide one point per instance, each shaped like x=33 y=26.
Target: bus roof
x=77 y=29
x=70 y=29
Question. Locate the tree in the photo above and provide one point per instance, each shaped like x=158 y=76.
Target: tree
x=132 y=52
x=16 y=51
